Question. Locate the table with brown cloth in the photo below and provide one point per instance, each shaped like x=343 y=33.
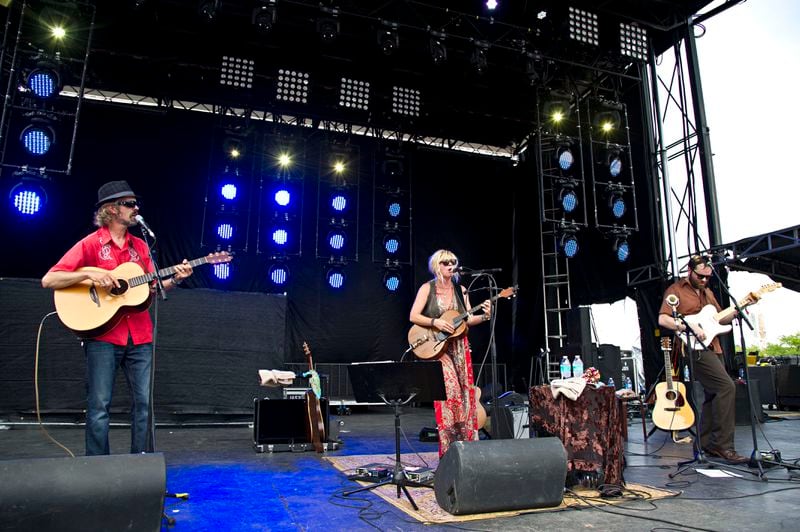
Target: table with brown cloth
x=589 y=427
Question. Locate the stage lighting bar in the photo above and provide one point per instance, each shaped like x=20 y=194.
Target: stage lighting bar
x=633 y=41
x=292 y=86
x=237 y=72
x=583 y=26
x=406 y=101
x=354 y=94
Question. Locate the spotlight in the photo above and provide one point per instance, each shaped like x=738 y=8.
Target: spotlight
x=339 y=167
x=264 y=16
x=616 y=199
x=568 y=197
x=280 y=236
x=225 y=230
x=335 y=277
x=354 y=94
x=393 y=168
x=233 y=148
x=621 y=248
x=394 y=208
x=405 y=101
x=328 y=26
x=478 y=57
x=613 y=162
x=283 y=197
x=337 y=239
x=568 y=241
x=392 y=280
x=292 y=86
x=38 y=137
x=391 y=243
x=557 y=106
x=29 y=197
x=388 y=39
x=207 y=9
x=534 y=68
x=228 y=191
x=437 y=48
x=284 y=160
x=237 y=72
x=222 y=271
x=583 y=26
x=564 y=156
x=44 y=81
x=339 y=202
x=491 y=5
x=633 y=41
x=279 y=274
x=607 y=119
x=58 y=32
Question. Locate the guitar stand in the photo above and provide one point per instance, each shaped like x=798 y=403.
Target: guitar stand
x=396 y=384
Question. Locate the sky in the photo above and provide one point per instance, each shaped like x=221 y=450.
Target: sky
x=750 y=71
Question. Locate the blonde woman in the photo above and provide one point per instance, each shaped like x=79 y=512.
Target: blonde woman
x=456 y=418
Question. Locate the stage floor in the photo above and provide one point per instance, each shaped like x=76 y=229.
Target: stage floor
x=232 y=487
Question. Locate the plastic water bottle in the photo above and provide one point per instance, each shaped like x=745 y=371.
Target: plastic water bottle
x=686 y=373
x=611 y=381
x=628 y=383
x=741 y=373
x=577 y=366
x=566 y=369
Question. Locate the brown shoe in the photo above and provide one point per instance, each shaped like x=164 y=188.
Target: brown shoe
x=728 y=455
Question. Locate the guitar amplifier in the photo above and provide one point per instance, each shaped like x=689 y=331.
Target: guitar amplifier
x=280 y=424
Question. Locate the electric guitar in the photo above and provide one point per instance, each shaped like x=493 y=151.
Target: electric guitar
x=427 y=342
x=315 y=426
x=91 y=310
x=671 y=410
x=708 y=318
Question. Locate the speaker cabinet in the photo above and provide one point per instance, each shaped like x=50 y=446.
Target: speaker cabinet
x=278 y=421
x=609 y=364
x=498 y=475
x=766 y=377
x=116 y=492
x=743 y=402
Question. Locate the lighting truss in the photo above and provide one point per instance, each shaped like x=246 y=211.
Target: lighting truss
x=293 y=86
x=406 y=101
x=354 y=94
x=237 y=72
x=583 y=26
x=633 y=41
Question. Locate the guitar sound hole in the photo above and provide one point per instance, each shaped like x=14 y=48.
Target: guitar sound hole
x=123 y=287
x=671 y=396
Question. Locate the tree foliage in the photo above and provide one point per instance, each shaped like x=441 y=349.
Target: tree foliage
x=788 y=345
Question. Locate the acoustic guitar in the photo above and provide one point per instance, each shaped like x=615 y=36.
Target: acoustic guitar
x=480 y=411
x=671 y=410
x=708 y=319
x=315 y=426
x=427 y=342
x=91 y=310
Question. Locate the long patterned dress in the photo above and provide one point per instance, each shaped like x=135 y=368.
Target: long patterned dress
x=456 y=417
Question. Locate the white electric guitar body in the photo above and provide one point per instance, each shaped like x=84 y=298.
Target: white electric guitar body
x=708 y=319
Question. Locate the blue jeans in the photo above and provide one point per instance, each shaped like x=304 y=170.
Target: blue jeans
x=102 y=361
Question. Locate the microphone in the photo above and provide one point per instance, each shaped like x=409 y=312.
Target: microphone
x=144 y=225
x=468 y=271
x=673 y=301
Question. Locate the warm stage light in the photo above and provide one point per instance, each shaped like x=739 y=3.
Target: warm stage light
x=284 y=160
x=58 y=32
x=338 y=167
x=557 y=106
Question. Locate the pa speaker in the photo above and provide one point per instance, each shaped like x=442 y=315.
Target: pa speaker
x=498 y=475
x=116 y=492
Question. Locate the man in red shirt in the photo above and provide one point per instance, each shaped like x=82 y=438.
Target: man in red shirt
x=129 y=343
x=718 y=415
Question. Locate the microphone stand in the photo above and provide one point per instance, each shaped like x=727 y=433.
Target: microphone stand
x=493 y=288
x=699 y=454
x=755 y=456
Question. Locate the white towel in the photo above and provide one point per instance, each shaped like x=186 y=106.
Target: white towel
x=275 y=377
x=572 y=388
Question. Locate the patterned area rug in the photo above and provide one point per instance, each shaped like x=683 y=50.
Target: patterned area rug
x=430 y=511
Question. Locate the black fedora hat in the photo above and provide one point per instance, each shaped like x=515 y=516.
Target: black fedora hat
x=113 y=190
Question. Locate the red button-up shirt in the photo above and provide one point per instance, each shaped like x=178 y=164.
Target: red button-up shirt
x=98 y=249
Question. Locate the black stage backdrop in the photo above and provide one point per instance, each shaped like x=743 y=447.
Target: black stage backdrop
x=484 y=209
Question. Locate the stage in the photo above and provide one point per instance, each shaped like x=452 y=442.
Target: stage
x=231 y=487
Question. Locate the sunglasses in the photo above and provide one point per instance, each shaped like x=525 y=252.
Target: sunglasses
x=448 y=262
x=131 y=204
x=701 y=276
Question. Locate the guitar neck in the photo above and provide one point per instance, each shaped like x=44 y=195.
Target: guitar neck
x=668 y=368
x=146 y=278
x=473 y=309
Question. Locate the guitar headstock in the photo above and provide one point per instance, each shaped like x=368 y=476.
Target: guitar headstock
x=511 y=291
x=753 y=297
x=307 y=351
x=219 y=257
